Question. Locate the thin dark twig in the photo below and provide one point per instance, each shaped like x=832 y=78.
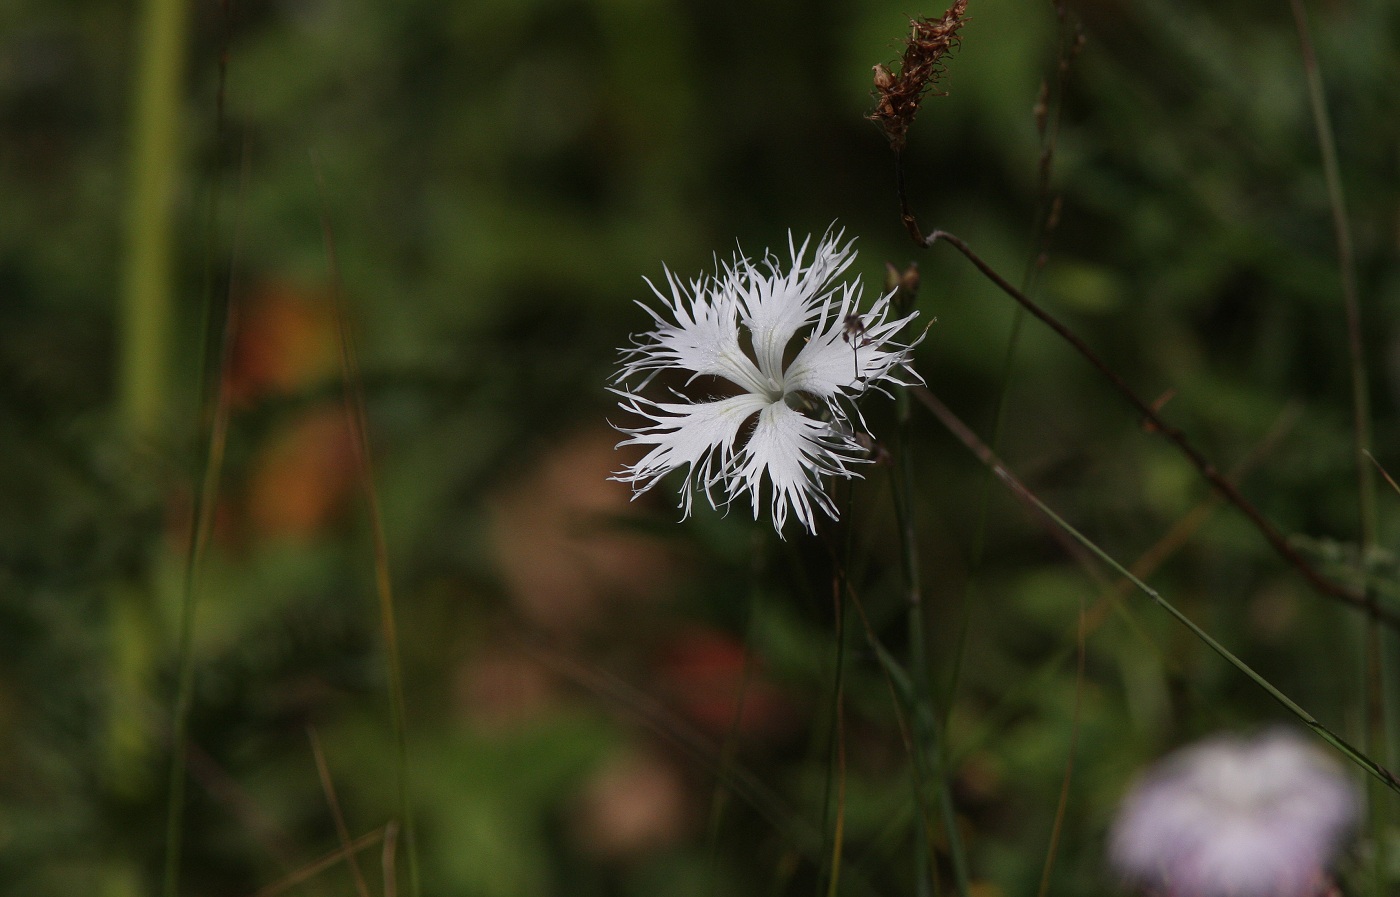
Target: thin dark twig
x=323 y=771
x=963 y=433
x=1223 y=486
x=357 y=421
x=216 y=358
x=348 y=850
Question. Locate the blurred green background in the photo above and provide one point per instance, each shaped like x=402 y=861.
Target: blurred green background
x=599 y=700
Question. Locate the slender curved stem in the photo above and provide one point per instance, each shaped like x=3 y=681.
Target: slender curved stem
x=1150 y=415
x=964 y=434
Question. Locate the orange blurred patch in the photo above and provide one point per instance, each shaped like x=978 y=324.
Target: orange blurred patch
x=285 y=338
x=301 y=479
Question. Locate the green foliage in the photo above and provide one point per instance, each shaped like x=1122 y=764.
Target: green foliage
x=499 y=176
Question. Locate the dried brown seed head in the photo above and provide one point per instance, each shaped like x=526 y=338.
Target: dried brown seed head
x=897 y=97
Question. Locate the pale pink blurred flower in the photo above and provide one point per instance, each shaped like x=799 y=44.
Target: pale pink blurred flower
x=1235 y=817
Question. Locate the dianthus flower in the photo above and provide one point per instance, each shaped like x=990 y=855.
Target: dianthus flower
x=779 y=408
x=1232 y=817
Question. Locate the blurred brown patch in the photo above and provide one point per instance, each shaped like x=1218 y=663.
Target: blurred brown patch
x=1273 y=612
x=559 y=550
x=715 y=682
x=636 y=804
x=285 y=339
x=500 y=688
x=302 y=477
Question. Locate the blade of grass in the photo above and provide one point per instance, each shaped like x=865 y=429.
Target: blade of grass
x=898 y=681
x=388 y=859
x=220 y=316
x=311 y=870
x=323 y=772
x=202 y=526
x=1111 y=600
x=926 y=728
x=1321 y=584
x=837 y=769
x=968 y=438
x=719 y=796
x=1063 y=803
x=357 y=420
x=1377 y=707
x=1045 y=220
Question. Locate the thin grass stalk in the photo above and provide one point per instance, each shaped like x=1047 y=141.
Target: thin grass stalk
x=965 y=435
x=926 y=728
x=1063 y=803
x=1377 y=727
x=1044 y=218
x=215 y=405
x=311 y=870
x=342 y=831
x=202 y=527
x=1111 y=599
x=143 y=374
x=835 y=833
x=1155 y=422
x=357 y=420
x=897 y=681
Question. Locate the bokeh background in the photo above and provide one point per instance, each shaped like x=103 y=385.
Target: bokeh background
x=600 y=700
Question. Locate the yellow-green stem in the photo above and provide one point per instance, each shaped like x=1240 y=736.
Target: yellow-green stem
x=152 y=187
x=143 y=334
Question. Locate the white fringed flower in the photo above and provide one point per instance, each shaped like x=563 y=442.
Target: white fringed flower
x=1231 y=817
x=778 y=409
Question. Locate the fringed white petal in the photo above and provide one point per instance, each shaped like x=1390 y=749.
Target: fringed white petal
x=841 y=360
x=774 y=308
x=793 y=452
x=738 y=325
x=697 y=437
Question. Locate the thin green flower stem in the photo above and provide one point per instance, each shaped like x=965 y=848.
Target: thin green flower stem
x=923 y=721
x=357 y=418
x=215 y=404
x=927 y=729
x=202 y=527
x=1346 y=263
x=835 y=835
x=898 y=681
x=1056 y=828
x=1376 y=705
x=1228 y=490
x=143 y=372
x=968 y=438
